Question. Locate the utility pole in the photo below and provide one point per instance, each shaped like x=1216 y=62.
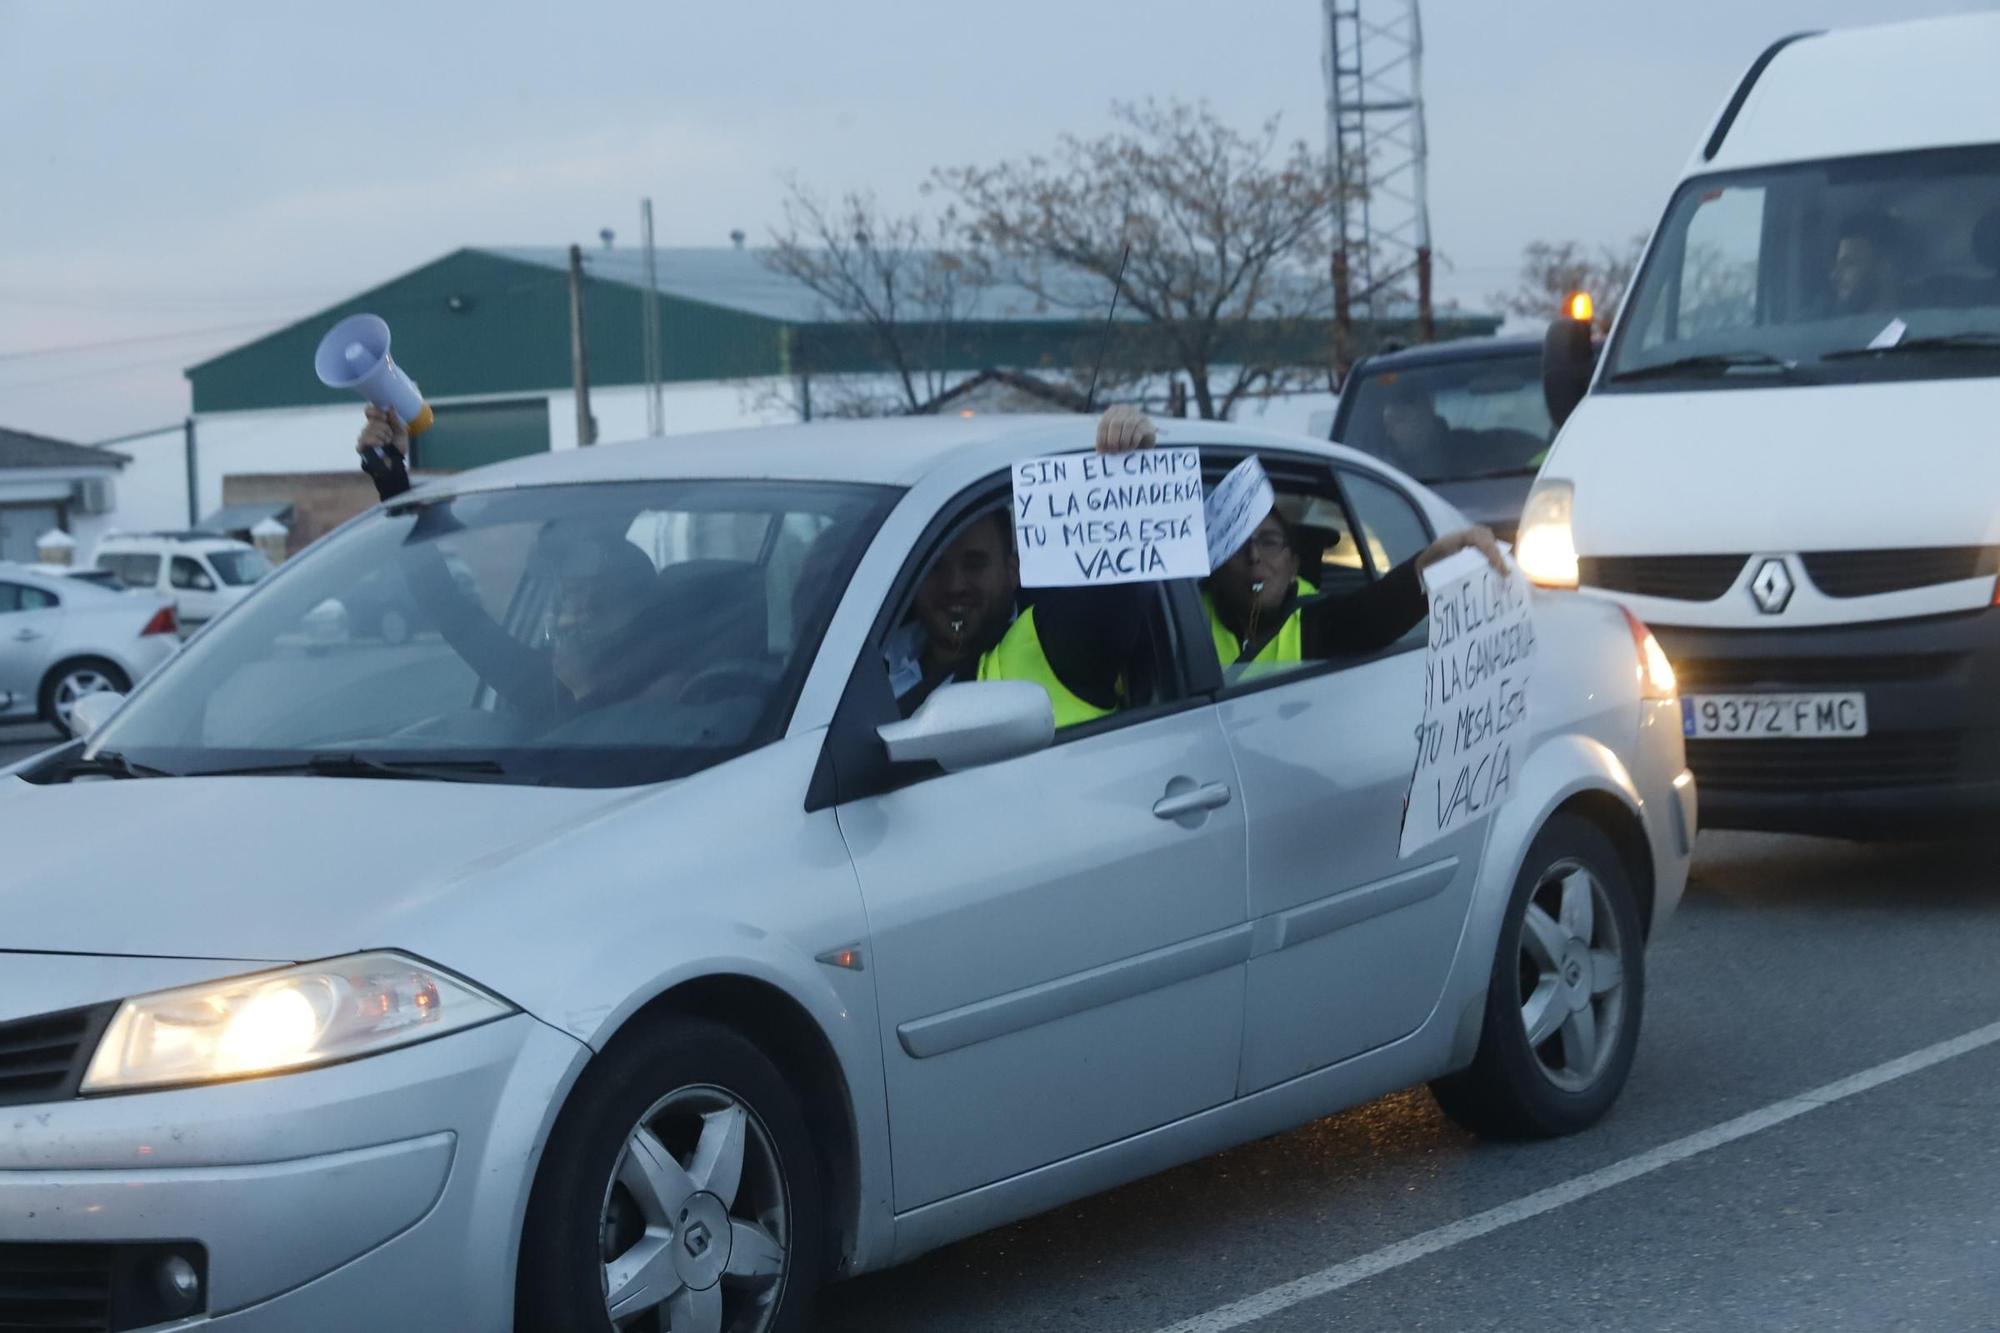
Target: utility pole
x=579 y=354
x=1377 y=155
x=649 y=306
x=194 y=491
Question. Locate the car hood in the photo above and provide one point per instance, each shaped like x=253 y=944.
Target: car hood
x=263 y=868
x=1805 y=468
x=1494 y=501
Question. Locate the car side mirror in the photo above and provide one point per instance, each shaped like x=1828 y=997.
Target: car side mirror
x=1567 y=361
x=203 y=583
x=981 y=722
x=92 y=711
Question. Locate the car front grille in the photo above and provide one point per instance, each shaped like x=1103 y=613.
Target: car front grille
x=55 y=1286
x=1683 y=578
x=42 y=1058
x=1709 y=674
x=1902 y=759
x=103 y=1288
x=1867 y=573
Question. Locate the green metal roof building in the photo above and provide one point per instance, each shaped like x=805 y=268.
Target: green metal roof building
x=493 y=324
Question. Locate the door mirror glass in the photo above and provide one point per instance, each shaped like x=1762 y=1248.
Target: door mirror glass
x=92 y=711
x=964 y=726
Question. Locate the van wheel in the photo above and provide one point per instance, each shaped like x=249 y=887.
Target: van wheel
x=1563 y=1005
x=680 y=1193
x=70 y=681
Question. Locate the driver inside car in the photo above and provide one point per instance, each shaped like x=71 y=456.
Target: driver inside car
x=591 y=647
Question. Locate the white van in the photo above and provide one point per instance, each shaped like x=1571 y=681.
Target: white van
x=1788 y=460
x=204 y=573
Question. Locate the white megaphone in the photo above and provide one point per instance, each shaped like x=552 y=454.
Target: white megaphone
x=354 y=354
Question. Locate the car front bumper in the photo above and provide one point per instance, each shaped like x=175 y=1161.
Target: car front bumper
x=1930 y=763
x=386 y=1192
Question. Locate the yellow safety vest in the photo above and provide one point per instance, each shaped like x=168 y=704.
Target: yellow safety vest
x=1286 y=645
x=1019 y=656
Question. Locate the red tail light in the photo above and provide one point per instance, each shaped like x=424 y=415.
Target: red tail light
x=163 y=622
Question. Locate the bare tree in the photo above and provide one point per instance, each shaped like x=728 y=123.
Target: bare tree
x=902 y=283
x=1551 y=270
x=1229 y=236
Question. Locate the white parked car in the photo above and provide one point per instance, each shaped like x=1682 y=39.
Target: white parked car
x=1785 y=462
x=202 y=573
x=62 y=638
x=619 y=956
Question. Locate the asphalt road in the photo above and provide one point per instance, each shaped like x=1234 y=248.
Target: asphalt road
x=18 y=740
x=1792 y=965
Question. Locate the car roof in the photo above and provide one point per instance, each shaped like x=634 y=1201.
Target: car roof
x=894 y=451
x=1885 y=88
x=196 y=541
x=1457 y=349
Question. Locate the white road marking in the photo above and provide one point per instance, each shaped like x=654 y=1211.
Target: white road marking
x=1272 y=1300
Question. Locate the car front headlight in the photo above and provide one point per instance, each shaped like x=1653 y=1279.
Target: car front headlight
x=1546 y=544
x=273 y=1022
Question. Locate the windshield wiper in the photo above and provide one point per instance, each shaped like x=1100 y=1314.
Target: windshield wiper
x=1971 y=340
x=1718 y=363
x=110 y=764
x=351 y=765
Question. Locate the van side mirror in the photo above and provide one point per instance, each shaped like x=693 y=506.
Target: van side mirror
x=92 y=711
x=1566 y=366
x=980 y=722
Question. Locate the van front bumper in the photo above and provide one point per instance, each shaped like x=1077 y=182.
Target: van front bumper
x=1930 y=764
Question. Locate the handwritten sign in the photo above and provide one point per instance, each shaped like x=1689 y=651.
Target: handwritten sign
x=1475 y=729
x=1235 y=507
x=1085 y=519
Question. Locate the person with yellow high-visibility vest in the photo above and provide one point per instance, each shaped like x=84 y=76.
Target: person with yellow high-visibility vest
x=1086 y=646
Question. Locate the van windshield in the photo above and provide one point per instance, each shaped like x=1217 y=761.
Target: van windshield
x=1869 y=268
x=583 y=635
x=1449 y=421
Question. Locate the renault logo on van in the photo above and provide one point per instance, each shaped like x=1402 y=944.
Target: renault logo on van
x=1772 y=588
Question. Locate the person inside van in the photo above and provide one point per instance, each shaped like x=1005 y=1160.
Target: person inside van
x=1869 y=261
x=1420 y=437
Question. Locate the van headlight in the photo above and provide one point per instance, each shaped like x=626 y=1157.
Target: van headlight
x=1545 y=546
x=273 y=1022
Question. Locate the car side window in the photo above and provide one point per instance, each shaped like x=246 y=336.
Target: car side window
x=186 y=573
x=10 y=597
x=134 y=571
x=1390 y=525
x=38 y=599
x=963 y=616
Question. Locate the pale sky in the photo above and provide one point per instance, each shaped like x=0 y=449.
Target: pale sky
x=176 y=177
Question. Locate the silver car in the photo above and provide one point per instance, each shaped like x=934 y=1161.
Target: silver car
x=62 y=637
x=614 y=952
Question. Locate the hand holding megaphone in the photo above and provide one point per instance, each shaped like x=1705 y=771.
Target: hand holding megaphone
x=354 y=354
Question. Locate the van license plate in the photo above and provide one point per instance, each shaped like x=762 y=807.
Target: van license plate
x=1746 y=717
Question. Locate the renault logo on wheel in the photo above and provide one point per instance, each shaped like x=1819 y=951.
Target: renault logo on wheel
x=1772 y=588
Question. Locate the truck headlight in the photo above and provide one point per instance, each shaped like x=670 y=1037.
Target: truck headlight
x=292 y=1018
x=1545 y=547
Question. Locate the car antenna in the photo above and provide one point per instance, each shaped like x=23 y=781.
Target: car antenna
x=1104 y=342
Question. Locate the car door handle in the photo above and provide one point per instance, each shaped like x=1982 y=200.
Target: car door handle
x=1208 y=796
x=27 y=635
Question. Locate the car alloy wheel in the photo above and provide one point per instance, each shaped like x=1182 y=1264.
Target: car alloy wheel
x=1572 y=976
x=73 y=684
x=696 y=1223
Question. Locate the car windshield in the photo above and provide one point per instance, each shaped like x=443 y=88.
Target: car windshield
x=1880 y=267
x=586 y=635
x=238 y=567
x=1477 y=417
